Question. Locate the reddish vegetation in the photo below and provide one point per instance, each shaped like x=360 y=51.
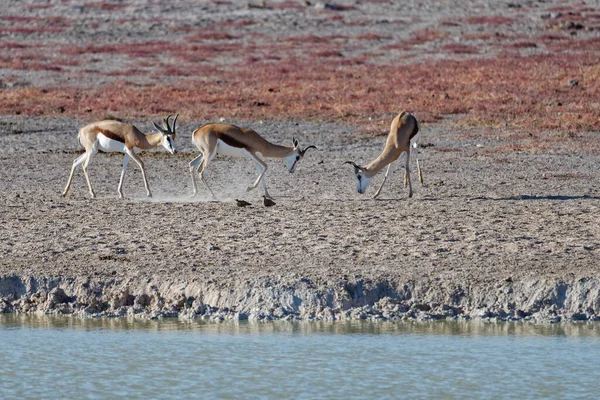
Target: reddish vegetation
x=210 y=36
x=426 y=35
x=371 y=36
x=458 y=48
x=488 y=20
x=107 y=6
x=525 y=93
x=213 y=72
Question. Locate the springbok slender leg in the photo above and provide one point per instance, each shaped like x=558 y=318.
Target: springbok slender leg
x=78 y=161
x=140 y=163
x=384 y=179
x=194 y=165
x=420 y=172
x=87 y=178
x=261 y=167
x=407 y=174
x=203 y=166
x=119 y=189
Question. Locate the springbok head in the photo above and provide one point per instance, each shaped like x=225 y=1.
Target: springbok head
x=168 y=133
x=361 y=177
x=291 y=160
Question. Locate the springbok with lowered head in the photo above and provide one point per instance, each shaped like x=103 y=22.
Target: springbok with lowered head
x=229 y=140
x=404 y=134
x=115 y=136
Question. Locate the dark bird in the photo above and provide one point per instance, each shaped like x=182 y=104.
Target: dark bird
x=242 y=203
x=268 y=202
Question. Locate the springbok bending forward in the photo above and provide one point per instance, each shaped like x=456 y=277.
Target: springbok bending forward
x=229 y=140
x=404 y=133
x=115 y=136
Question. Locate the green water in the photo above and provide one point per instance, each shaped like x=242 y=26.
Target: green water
x=55 y=358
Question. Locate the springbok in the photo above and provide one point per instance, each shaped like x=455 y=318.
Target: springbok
x=404 y=134
x=115 y=136
x=230 y=140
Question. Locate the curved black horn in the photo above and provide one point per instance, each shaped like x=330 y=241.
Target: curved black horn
x=174 y=122
x=166 y=123
x=158 y=128
x=306 y=148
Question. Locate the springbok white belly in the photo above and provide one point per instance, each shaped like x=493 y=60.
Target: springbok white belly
x=226 y=150
x=109 y=145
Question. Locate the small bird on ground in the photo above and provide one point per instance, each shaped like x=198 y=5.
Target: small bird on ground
x=268 y=202
x=242 y=203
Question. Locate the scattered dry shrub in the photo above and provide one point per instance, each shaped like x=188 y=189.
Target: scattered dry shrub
x=521 y=45
x=106 y=6
x=496 y=20
x=459 y=48
x=372 y=36
x=589 y=44
x=400 y=46
x=210 y=36
x=426 y=35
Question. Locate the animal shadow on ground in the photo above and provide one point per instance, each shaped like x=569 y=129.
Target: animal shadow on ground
x=539 y=198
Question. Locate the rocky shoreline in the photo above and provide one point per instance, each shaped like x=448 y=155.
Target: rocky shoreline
x=537 y=300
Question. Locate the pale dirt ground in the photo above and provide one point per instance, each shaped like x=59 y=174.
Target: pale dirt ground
x=481 y=216
x=488 y=212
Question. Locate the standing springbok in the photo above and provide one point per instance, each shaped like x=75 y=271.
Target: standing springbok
x=115 y=136
x=229 y=140
x=404 y=134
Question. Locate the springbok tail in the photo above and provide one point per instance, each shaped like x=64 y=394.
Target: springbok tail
x=415 y=140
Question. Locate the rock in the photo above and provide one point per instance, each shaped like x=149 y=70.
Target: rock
x=573 y=82
x=57 y=296
x=482 y=313
x=142 y=300
x=5 y=307
x=579 y=317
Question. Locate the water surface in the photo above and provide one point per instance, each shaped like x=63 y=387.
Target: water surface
x=43 y=357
